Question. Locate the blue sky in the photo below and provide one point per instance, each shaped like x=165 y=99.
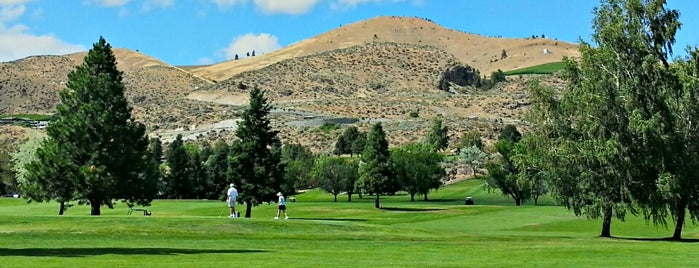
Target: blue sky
x=188 y=32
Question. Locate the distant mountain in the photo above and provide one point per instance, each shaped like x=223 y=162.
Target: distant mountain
x=385 y=69
x=483 y=53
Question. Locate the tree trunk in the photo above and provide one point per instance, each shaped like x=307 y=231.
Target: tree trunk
x=377 y=204
x=95 y=207
x=536 y=200
x=360 y=194
x=518 y=201
x=349 y=196
x=412 y=197
x=335 y=198
x=681 y=213
x=248 y=209
x=62 y=208
x=425 y=197
x=607 y=223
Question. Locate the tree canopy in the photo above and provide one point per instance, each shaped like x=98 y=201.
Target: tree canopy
x=255 y=158
x=95 y=151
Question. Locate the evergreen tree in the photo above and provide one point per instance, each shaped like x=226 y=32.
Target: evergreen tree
x=345 y=141
x=375 y=174
x=256 y=157
x=217 y=171
x=178 y=184
x=358 y=144
x=95 y=151
x=197 y=171
x=438 y=136
x=298 y=162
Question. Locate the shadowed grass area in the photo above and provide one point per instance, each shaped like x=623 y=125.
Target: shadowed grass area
x=83 y=252
x=441 y=232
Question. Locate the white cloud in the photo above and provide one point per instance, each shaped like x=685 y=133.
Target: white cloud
x=286 y=6
x=8 y=13
x=241 y=45
x=110 y=3
x=16 y=43
x=349 y=4
x=154 y=4
x=13 y=2
x=227 y=3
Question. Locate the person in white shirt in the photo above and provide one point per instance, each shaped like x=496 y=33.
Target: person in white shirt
x=232 y=196
x=282 y=206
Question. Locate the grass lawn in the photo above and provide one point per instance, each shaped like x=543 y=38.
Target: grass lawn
x=546 y=68
x=438 y=233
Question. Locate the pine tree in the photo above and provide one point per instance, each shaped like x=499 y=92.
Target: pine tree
x=95 y=151
x=375 y=174
x=255 y=158
x=438 y=136
x=178 y=176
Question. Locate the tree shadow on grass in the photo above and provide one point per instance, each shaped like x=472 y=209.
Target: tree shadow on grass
x=658 y=239
x=84 y=252
x=328 y=219
x=412 y=209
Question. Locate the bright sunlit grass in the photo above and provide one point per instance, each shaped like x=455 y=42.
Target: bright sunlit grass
x=441 y=232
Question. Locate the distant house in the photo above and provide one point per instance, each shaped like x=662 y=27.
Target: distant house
x=547 y=51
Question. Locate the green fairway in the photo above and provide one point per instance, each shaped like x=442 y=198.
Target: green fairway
x=546 y=68
x=438 y=233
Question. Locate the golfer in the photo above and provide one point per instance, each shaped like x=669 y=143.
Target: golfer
x=232 y=196
x=282 y=206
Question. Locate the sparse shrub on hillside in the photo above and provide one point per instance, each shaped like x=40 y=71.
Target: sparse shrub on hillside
x=461 y=75
x=328 y=127
x=414 y=114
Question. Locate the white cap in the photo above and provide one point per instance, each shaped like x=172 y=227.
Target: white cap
x=232 y=185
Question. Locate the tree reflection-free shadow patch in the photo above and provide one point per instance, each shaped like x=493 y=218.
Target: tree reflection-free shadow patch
x=328 y=219
x=84 y=252
x=412 y=209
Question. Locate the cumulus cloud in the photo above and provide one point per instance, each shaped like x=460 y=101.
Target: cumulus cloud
x=285 y=7
x=17 y=42
x=227 y=3
x=110 y=3
x=8 y=13
x=348 y=4
x=154 y=4
x=13 y=2
x=241 y=45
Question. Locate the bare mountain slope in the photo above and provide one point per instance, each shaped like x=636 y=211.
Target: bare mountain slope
x=31 y=85
x=483 y=53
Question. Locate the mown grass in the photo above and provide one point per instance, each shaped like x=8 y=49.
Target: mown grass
x=441 y=232
x=546 y=68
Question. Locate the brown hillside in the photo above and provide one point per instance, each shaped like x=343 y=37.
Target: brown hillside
x=371 y=82
x=31 y=85
x=483 y=53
